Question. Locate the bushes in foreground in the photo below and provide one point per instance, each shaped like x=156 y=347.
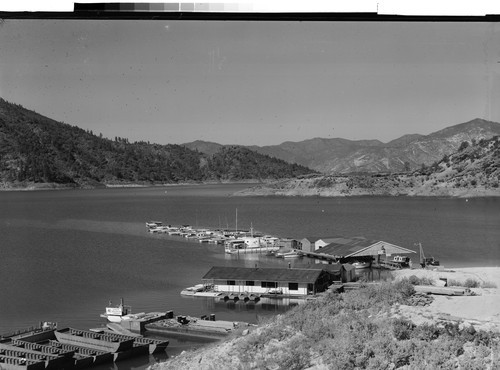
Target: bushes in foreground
x=352 y=330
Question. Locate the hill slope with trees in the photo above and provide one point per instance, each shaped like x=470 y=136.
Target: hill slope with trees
x=38 y=150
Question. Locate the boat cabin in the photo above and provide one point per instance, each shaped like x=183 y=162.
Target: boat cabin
x=273 y=281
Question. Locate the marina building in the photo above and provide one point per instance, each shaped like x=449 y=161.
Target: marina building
x=310 y=244
x=358 y=247
x=257 y=280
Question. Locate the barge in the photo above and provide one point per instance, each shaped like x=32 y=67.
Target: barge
x=101 y=342
x=135 y=323
x=71 y=348
x=205 y=327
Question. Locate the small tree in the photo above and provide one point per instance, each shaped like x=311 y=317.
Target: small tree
x=463 y=146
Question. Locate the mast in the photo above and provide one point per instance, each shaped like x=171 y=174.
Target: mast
x=236 y=220
x=422 y=256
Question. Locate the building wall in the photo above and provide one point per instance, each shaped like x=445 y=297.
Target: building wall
x=240 y=287
x=319 y=244
x=289 y=243
x=307 y=246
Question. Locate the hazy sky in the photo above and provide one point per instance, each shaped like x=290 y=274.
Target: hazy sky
x=253 y=82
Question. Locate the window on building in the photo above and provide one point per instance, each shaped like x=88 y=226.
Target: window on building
x=269 y=284
x=231 y=282
x=293 y=286
x=249 y=283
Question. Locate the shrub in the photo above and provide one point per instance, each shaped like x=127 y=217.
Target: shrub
x=471 y=283
x=426 y=332
x=414 y=280
x=424 y=280
x=453 y=282
x=402 y=329
x=405 y=288
x=488 y=284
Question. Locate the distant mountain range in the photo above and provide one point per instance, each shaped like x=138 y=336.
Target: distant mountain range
x=38 y=150
x=472 y=170
x=350 y=156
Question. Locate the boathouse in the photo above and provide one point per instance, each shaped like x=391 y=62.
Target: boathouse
x=285 y=281
x=357 y=248
x=310 y=244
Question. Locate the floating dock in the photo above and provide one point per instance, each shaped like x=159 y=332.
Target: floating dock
x=191 y=327
x=72 y=348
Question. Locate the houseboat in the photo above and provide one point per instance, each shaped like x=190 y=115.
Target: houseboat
x=153 y=224
x=267 y=281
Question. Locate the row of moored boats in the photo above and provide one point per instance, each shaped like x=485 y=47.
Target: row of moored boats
x=235 y=241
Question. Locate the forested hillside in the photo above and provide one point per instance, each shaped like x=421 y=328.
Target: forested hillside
x=37 y=149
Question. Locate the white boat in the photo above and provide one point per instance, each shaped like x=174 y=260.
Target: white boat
x=275 y=291
x=159 y=229
x=193 y=289
x=200 y=290
x=116 y=314
x=230 y=250
x=291 y=254
x=153 y=224
x=361 y=264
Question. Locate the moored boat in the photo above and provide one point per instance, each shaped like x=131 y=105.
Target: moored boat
x=116 y=314
x=361 y=264
x=403 y=261
x=200 y=290
x=290 y=254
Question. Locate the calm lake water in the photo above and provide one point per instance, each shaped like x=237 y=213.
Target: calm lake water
x=65 y=254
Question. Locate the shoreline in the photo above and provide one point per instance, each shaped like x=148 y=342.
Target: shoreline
x=266 y=191
x=55 y=186
x=260 y=191
x=480 y=311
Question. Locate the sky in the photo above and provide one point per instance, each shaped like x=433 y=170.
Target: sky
x=252 y=82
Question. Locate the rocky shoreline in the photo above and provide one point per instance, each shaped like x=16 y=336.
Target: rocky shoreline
x=349 y=186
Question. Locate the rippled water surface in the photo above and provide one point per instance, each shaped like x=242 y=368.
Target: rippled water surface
x=65 y=254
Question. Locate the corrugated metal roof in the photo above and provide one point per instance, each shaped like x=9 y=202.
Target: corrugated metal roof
x=263 y=274
x=357 y=247
x=314 y=239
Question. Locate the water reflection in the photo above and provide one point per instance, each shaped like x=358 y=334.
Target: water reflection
x=140 y=362
x=276 y=305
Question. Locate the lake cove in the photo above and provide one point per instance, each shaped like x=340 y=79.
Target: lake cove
x=66 y=253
